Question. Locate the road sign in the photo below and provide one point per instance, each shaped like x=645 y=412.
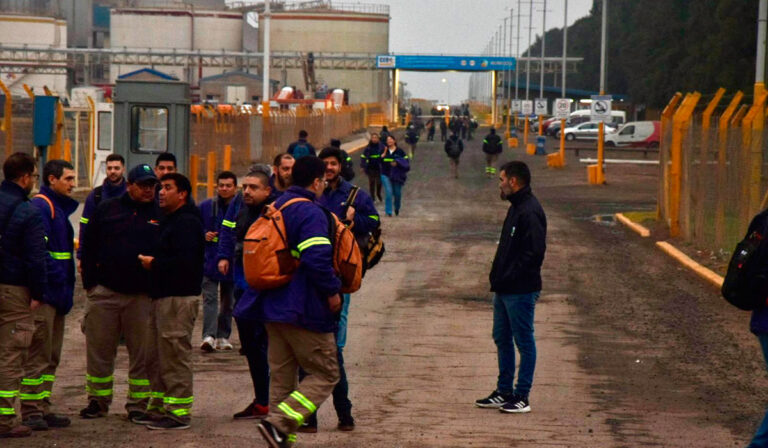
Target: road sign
x=516 y=106
x=435 y=62
x=601 y=108
x=540 y=106
x=527 y=107
x=562 y=108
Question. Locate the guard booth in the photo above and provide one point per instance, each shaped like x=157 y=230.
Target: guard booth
x=151 y=117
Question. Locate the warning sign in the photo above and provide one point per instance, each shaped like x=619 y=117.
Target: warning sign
x=601 y=108
x=562 y=108
x=527 y=107
x=541 y=106
x=516 y=106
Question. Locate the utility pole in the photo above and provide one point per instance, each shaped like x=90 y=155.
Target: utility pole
x=603 y=36
x=528 y=61
x=761 y=36
x=543 y=43
x=565 y=43
x=265 y=84
x=517 y=52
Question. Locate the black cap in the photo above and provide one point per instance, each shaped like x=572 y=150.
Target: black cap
x=141 y=173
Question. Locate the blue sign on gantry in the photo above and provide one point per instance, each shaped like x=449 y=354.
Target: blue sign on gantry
x=457 y=63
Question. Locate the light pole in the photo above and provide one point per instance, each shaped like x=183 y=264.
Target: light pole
x=541 y=66
x=265 y=94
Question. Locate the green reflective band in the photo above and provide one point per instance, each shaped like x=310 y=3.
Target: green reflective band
x=227 y=223
x=316 y=241
x=291 y=413
x=376 y=156
x=7 y=411
x=84 y=220
x=174 y=400
x=292 y=438
x=97 y=392
x=152 y=407
x=298 y=396
x=156 y=394
x=61 y=255
x=349 y=159
x=485 y=141
x=180 y=412
x=46 y=238
x=140 y=382
x=215 y=239
x=103 y=379
x=374 y=217
x=8 y=393
x=32 y=381
x=295 y=253
x=49 y=378
x=386 y=159
x=28 y=397
x=138 y=394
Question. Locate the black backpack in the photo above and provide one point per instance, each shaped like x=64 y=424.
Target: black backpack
x=746 y=283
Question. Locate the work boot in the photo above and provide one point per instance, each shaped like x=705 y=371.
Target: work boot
x=17 y=432
x=94 y=410
x=309 y=426
x=35 y=423
x=273 y=436
x=346 y=423
x=57 y=420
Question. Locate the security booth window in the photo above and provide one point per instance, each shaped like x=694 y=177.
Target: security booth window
x=149 y=129
x=105 y=131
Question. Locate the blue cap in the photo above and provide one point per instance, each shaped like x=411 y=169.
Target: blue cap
x=141 y=173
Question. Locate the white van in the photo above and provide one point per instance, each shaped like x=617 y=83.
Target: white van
x=580 y=116
x=639 y=134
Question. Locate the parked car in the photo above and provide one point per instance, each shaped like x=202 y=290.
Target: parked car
x=554 y=128
x=643 y=134
x=585 y=131
x=583 y=115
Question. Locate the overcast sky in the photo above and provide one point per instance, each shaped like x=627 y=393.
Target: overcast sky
x=462 y=27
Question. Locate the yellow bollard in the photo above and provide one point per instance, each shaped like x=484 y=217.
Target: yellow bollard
x=6 y=125
x=525 y=131
x=194 y=173
x=226 y=165
x=211 y=182
x=562 y=142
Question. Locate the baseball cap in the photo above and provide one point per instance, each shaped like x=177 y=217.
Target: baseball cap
x=141 y=173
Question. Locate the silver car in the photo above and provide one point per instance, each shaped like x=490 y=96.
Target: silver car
x=586 y=131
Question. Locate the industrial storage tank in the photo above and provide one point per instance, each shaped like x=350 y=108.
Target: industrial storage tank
x=330 y=27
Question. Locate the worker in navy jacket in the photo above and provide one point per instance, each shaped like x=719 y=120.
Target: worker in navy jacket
x=300 y=317
x=370 y=162
x=217 y=287
x=113 y=187
x=394 y=166
x=54 y=205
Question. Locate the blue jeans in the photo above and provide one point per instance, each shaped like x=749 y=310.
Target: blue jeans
x=761 y=436
x=391 y=190
x=341 y=333
x=513 y=326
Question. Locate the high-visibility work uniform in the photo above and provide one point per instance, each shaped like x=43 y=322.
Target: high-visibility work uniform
x=45 y=351
x=118 y=296
x=23 y=274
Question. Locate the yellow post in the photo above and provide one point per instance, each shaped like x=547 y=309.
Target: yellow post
x=704 y=166
x=194 y=173
x=227 y=163
x=680 y=123
x=562 y=142
x=541 y=125
x=68 y=150
x=509 y=117
x=210 y=182
x=722 y=141
x=662 y=199
x=29 y=91
x=756 y=151
x=57 y=139
x=6 y=126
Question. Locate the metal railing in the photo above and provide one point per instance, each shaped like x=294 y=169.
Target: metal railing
x=314 y=5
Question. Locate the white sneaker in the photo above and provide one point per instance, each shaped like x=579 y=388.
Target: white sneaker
x=223 y=344
x=208 y=344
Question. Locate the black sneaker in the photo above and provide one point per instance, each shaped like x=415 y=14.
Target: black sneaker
x=167 y=423
x=346 y=423
x=141 y=418
x=57 y=421
x=273 y=436
x=35 y=423
x=253 y=410
x=516 y=405
x=493 y=401
x=93 y=410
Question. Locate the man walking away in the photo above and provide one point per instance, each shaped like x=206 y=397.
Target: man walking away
x=112 y=187
x=412 y=138
x=516 y=281
x=453 y=148
x=248 y=315
x=301 y=147
x=164 y=164
x=301 y=316
x=118 y=293
x=443 y=128
x=23 y=276
x=217 y=288
x=176 y=273
x=54 y=203
x=370 y=162
x=492 y=147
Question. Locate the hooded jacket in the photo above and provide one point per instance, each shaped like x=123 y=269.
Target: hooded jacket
x=304 y=300
x=177 y=269
x=517 y=266
x=59 y=236
x=119 y=230
x=397 y=174
x=23 y=256
x=106 y=191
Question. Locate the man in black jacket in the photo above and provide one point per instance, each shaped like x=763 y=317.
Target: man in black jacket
x=176 y=276
x=492 y=147
x=118 y=292
x=23 y=277
x=516 y=279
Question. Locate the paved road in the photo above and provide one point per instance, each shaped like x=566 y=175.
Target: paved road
x=633 y=351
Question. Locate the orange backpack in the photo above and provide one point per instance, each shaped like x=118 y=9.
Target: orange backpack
x=269 y=263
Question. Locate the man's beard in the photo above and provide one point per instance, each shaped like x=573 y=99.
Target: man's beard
x=283 y=183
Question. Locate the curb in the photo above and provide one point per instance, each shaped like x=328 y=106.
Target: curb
x=705 y=273
x=637 y=228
